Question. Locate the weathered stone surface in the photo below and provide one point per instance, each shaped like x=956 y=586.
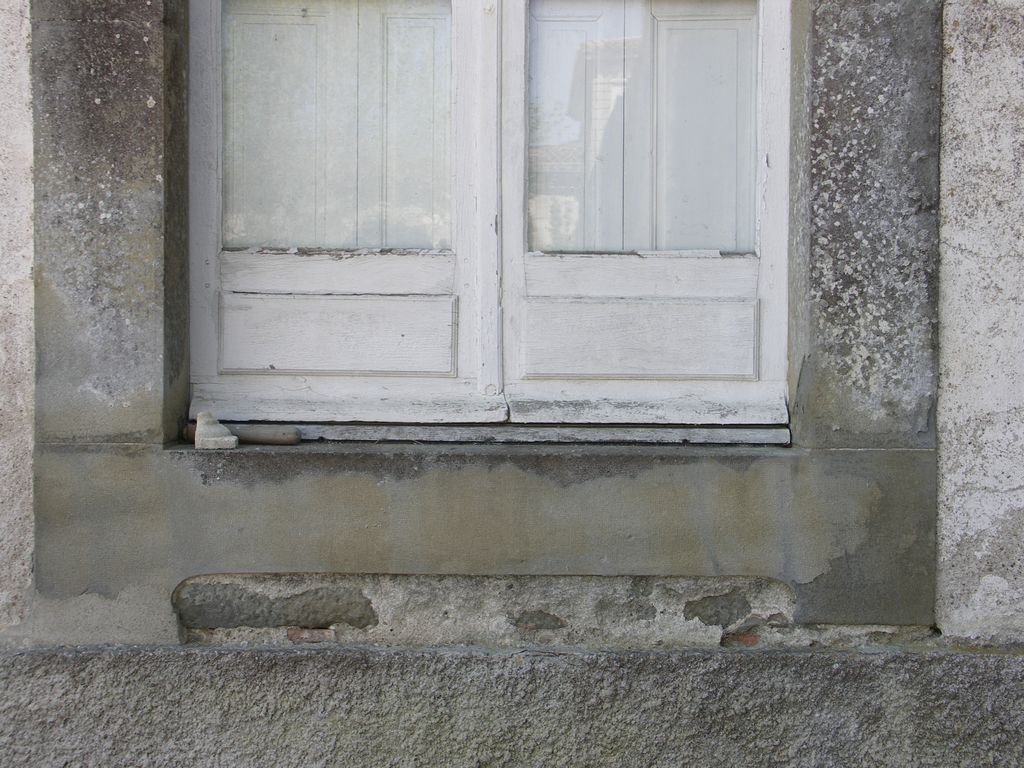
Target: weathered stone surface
x=361 y=708
x=867 y=376
x=851 y=531
x=273 y=600
x=17 y=345
x=146 y=11
x=840 y=637
x=981 y=415
x=497 y=612
x=301 y=636
x=859 y=638
x=100 y=175
x=725 y=610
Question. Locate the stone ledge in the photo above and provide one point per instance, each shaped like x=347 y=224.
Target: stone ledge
x=358 y=707
x=851 y=532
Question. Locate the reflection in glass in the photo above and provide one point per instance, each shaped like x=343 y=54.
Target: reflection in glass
x=336 y=123
x=641 y=125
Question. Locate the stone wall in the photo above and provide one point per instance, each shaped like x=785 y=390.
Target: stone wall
x=17 y=345
x=980 y=579
x=122 y=518
x=981 y=405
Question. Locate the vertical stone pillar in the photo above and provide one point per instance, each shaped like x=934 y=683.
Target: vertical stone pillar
x=109 y=171
x=981 y=396
x=864 y=259
x=17 y=351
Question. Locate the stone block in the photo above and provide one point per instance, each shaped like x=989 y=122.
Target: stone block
x=866 y=374
x=101 y=221
x=852 y=532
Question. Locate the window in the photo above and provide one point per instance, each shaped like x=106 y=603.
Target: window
x=439 y=211
x=336 y=124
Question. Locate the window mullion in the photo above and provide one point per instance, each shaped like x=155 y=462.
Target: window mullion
x=514 y=59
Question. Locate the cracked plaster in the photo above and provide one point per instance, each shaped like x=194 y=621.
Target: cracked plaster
x=981 y=395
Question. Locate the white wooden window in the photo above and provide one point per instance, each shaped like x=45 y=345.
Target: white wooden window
x=469 y=211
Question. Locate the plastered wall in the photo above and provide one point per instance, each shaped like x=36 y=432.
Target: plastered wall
x=981 y=403
x=17 y=356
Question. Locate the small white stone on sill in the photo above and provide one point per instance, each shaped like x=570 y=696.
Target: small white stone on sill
x=211 y=435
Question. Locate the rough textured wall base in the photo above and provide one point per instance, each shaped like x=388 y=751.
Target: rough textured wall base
x=981 y=414
x=437 y=708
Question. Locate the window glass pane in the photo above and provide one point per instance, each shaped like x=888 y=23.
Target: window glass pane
x=641 y=125
x=336 y=123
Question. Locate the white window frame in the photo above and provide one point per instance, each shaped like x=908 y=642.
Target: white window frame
x=471 y=395
x=490 y=59
x=763 y=401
